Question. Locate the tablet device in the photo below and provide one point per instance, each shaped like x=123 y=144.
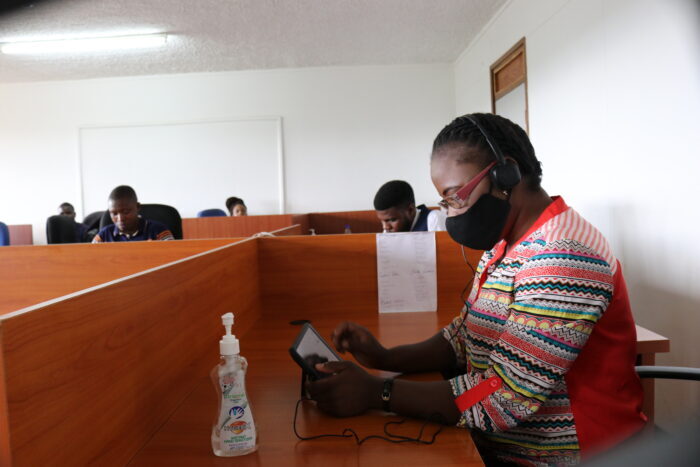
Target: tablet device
x=309 y=349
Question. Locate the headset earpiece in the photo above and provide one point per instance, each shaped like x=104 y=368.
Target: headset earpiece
x=506 y=176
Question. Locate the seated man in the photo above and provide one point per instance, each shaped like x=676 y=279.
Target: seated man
x=396 y=209
x=67 y=209
x=128 y=225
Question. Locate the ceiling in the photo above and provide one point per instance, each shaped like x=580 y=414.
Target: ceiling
x=222 y=35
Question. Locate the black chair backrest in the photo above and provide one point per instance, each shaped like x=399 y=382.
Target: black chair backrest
x=92 y=220
x=162 y=213
x=669 y=372
x=61 y=229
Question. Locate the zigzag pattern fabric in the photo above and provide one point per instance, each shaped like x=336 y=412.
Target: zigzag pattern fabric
x=527 y=322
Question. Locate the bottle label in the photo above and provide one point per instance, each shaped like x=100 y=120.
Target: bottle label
x=236 y=423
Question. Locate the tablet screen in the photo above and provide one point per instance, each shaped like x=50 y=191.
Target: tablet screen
x=313 y=349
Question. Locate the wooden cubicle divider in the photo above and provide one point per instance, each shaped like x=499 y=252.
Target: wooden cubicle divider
x=21 y=234
x=231 y=227
x=303 y=221
x=339 y=273
x=245 y=226
x=288 y=231
x=31 y=275
x=90 y=377
x=5 y=447
x=335 y=222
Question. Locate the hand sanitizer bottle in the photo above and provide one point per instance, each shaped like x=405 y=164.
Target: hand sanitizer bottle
x=234 y=432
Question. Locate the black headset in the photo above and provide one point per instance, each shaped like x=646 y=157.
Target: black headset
x=504 y=175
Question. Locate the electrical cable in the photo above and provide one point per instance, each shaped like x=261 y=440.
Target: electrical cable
x=464 y=300
x=435 y=418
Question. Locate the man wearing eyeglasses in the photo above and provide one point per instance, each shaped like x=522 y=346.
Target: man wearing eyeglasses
x=396 y=209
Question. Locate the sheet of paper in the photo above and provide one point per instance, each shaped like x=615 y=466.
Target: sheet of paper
x=406 y=272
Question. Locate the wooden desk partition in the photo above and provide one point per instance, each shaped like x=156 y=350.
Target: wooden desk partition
x=21 y=234
x=228 y=227
x=288 y=231
x=338 y=273
x=89 y=379
x=335 y=222
x=31 y=275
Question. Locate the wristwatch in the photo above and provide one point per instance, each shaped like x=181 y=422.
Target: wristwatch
x=386 y=394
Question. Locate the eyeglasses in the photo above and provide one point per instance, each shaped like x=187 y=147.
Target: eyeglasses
x=457 y=199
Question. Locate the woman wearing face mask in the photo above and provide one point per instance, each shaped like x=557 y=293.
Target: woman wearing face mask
x=544 y=349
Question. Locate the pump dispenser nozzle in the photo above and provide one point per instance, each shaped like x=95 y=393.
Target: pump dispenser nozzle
x=228 y=345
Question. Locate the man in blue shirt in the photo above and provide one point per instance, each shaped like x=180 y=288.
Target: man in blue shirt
x=128 y=225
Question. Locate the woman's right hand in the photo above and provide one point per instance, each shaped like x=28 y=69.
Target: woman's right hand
x=356 y=339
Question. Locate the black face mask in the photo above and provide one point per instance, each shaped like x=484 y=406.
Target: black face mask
x=481 y=226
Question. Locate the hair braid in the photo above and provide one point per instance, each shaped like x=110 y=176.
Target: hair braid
x=510 y=138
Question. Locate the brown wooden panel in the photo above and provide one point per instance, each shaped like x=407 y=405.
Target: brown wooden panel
x=33 y=274
x=5 y=451
x=338 y=273
x=229 y=227
x=20 y=234
x=273 y=387
x=335 y=222
x=510 y=74
x=91 y=378
x=288 y=231
x=303 y=221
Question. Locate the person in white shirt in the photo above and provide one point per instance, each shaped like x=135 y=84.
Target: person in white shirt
x=396 y=209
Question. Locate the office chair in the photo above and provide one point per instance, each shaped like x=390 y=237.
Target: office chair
x=4 y=235
x=678 y=448
x=92 y=220
x=61 y=229
x=212 y=213
x=669 y=372
x=92 y=225
x=162 y=213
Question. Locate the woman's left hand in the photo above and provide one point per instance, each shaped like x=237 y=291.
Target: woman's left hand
x=349 y=390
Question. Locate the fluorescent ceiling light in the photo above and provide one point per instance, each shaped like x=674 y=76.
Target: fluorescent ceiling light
x=90 y=44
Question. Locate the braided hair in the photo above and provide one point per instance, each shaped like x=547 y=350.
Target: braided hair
x=510 y=138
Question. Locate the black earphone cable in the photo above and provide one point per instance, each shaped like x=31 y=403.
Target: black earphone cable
x=464 y=300
x=390 y=437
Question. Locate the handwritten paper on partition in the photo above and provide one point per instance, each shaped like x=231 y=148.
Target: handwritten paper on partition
x=406 y=272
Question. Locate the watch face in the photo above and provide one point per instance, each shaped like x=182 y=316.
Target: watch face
x=386 y=390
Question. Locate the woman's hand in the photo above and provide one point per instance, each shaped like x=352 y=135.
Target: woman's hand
x=356 y=339
x=349 y=390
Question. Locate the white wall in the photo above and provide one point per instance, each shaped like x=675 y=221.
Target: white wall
x=614 y=106
x=346 y=130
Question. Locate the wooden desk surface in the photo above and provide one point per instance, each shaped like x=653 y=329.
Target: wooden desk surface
x=273 y=387
x=649 y=342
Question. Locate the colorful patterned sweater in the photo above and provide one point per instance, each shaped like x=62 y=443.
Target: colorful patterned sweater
x=547 y=344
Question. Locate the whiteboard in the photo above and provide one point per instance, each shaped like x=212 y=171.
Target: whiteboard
x=191 y=166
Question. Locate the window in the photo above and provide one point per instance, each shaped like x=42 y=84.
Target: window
x=509 y=85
